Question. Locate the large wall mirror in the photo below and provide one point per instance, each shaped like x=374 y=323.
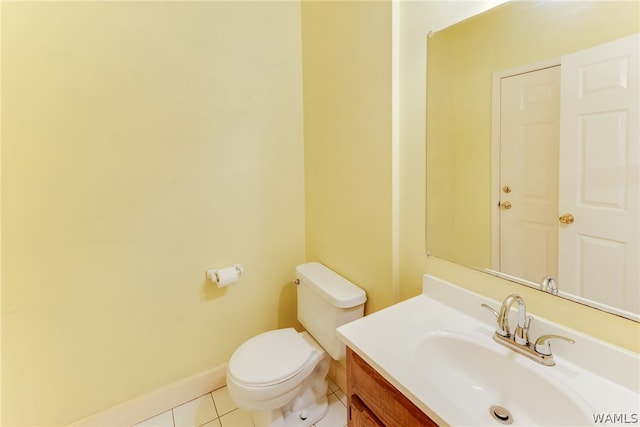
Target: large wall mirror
x=532 y=148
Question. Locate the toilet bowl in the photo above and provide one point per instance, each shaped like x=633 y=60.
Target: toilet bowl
x=280 y=375
x=286 y=380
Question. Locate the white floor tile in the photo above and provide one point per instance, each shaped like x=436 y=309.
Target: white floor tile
x=195 y=413
x=337 y=415
x=223 y=401
x=236 y=418
x=342 y=397
x=163 y=420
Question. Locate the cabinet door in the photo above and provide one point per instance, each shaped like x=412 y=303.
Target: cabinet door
x=360 y=415
x=384 y=404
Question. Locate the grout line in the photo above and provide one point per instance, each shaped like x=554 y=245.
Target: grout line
x=215 y=405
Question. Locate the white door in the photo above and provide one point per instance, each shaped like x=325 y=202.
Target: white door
x=529 y=138
x=599 y=180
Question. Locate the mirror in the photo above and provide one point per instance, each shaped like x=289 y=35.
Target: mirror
x=470 y=66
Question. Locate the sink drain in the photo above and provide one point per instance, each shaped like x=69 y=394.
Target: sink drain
x=501 y=415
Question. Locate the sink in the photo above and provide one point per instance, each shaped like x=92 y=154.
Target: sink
x=438 y=350
x=487 y=383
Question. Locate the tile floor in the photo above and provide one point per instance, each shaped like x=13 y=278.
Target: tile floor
x=216 y=409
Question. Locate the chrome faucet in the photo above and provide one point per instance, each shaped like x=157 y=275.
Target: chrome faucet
x=539 y=351
x=521 y=334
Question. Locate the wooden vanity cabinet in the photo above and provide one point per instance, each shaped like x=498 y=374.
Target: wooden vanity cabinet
x=372 y=401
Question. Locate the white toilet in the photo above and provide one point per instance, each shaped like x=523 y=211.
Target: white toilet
x=280 y=375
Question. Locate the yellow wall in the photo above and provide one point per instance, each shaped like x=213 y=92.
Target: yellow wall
x=464 y=57
x=145 y=142
x=142 y=143
x=346 y=50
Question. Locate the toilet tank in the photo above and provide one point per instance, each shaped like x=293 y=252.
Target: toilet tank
x=327 y=300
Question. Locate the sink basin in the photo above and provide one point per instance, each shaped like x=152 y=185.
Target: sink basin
x=483 y=378
x=437 y=350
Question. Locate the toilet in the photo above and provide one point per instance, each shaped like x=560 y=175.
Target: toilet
x=280 y=375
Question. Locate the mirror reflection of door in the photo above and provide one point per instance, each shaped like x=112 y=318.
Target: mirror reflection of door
x=529 y=148
x=600 y=180
x=569 y=149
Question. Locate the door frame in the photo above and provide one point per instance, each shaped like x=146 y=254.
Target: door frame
x=495 y=157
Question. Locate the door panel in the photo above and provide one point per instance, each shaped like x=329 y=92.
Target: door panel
x=529 y=134
x=600 y=180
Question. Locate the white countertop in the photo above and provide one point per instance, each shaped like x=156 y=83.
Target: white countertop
x=388 y=341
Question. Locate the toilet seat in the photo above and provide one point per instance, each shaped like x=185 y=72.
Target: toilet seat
x=270 y=358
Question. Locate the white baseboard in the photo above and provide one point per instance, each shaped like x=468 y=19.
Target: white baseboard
x=158 y=401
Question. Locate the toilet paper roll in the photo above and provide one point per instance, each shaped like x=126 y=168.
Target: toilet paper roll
x=226 y=276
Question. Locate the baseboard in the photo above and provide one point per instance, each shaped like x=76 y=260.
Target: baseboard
x=158 y=401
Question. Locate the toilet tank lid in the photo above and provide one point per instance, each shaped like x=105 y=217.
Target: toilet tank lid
x=336 y=289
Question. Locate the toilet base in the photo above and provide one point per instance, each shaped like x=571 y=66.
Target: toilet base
x=310 y=415
x=305 y=418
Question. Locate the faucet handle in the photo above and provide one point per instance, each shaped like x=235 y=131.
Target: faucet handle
x=491 y=309
x=499 y=329
x=542 y=343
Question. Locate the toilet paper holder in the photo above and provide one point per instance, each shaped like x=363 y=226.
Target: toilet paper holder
x=214 y=276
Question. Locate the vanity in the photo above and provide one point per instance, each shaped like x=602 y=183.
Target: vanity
x=433 y=360
x=385 y=405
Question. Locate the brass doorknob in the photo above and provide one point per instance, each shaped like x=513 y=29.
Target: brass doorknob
x=567 y=219
x=505 y=205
